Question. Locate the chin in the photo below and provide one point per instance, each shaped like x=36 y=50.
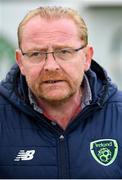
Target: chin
x=54 y=95
x=55 y=98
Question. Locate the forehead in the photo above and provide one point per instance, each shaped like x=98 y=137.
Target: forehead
x=41 y=31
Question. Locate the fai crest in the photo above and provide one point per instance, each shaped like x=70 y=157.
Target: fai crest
x=104 y=151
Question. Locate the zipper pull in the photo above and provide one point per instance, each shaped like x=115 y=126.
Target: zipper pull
x=61 y=137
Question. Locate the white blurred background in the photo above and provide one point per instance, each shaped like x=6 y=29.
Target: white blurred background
x=103 y=18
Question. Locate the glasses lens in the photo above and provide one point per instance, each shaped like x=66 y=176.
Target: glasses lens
x=36 y=57
x=65 y=54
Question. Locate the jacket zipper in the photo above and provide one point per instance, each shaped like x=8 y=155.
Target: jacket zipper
x=63 y=161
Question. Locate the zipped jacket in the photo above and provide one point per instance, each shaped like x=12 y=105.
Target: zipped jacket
x=33 y=147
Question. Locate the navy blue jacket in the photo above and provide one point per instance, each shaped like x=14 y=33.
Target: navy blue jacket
x=33 y=147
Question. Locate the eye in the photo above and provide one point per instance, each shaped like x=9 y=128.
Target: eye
x=66 y=51
x=33 y=54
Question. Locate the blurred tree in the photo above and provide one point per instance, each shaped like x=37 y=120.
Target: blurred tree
x=7 y=55
x=6 y=49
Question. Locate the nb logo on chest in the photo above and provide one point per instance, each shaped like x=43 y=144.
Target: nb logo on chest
x=25 y=155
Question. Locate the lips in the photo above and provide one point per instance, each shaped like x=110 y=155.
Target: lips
x=52 y=81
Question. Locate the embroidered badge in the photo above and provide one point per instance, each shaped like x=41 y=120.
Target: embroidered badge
x=104 y=151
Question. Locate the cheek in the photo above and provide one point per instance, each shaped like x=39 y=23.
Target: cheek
x=75 y=70
x=74 y=73
x=31 y=74
x=32 y=79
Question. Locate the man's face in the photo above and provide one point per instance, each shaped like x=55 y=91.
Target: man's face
x=53 y=80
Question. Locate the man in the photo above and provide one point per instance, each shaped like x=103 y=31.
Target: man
x=60 y=115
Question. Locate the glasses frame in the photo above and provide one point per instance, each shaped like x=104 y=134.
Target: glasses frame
x=53 y=52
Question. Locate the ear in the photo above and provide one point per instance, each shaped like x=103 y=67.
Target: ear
x=89 y=54
x=19 y=61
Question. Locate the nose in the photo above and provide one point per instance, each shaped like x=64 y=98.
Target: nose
x=51 y=63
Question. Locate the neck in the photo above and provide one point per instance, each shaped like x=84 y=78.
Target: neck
x=62 y=113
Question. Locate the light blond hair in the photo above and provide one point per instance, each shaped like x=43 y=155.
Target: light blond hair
x=53 y=13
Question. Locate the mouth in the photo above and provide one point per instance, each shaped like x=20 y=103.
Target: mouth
x=53 y=81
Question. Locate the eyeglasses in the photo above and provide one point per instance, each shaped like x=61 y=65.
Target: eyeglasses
x=64 y=54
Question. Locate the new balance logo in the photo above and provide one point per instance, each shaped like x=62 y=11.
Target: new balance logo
x=25 y=155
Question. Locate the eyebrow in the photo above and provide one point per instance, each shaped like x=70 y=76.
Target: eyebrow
x=36 y=49
x=62 y=46
x=67 y=46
